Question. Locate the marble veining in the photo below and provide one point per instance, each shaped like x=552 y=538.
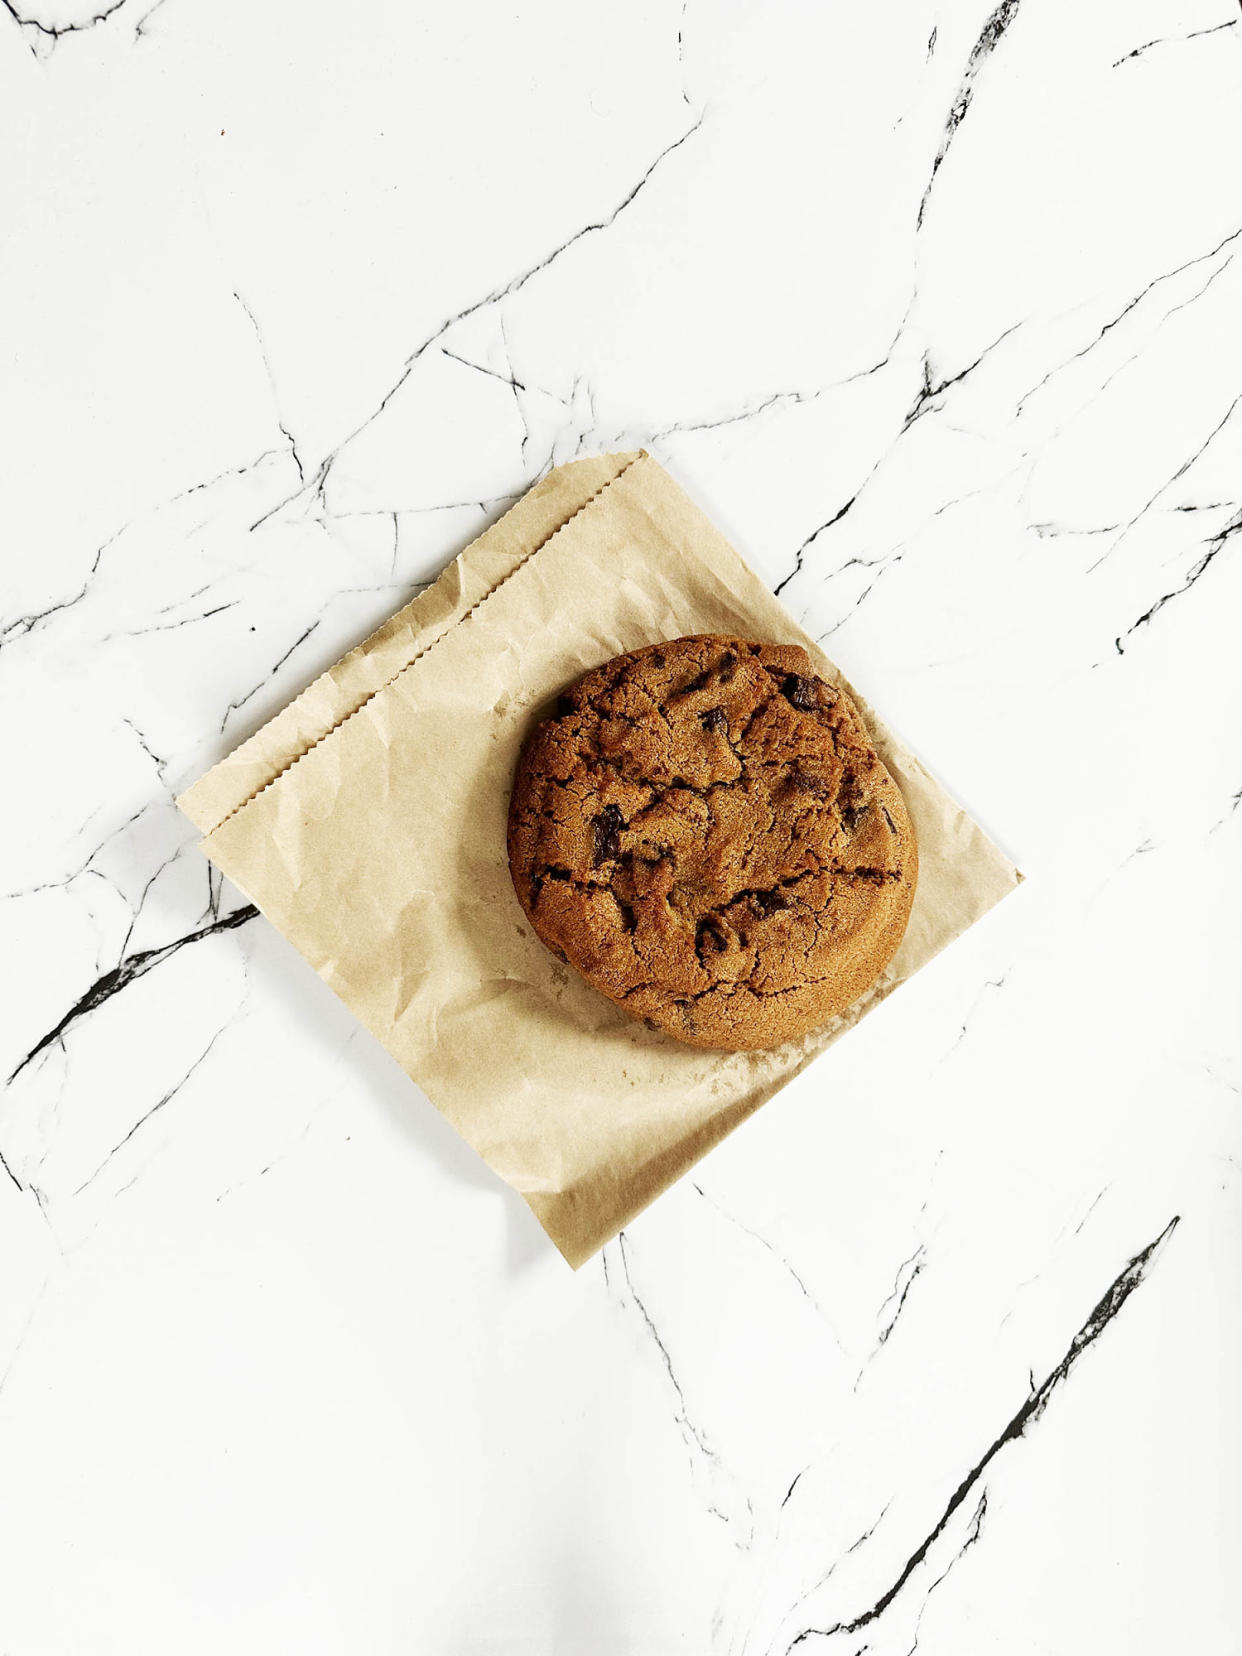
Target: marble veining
x=934 y=310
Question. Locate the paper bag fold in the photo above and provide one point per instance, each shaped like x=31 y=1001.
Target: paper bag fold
x=367 y=821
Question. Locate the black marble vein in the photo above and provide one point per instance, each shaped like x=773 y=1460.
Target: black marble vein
x=780 y=399
x=1183 y=468
x=816 y=533
x=236 y=706
x=514 y=385
x=901 y=1290
x=931 y=389
x=481 y=368
x=1078 y=1228
x=792 y=1487
x=1126 y=362
x=1215 y=546
x=128 y=971
x=13 y=1176
x=993 y=31
x=880 y=564
x=681 y=52
x=145 y=893
x=1115 y=1296
x=902 y=1284
x=21 y=625
x=86 y=868
x=140 y=28
x=160 y=764
x=683 y=1416
x=181 y=621
x=860 y=1541
x=972 y=1535
x=1173 y=40
x=10 y=631
x=841 y=511
x=215 y=890
x=692 y=1435
x=776 y=399
x=53 y=31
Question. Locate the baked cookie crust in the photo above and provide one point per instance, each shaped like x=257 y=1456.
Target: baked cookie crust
x=705 y=831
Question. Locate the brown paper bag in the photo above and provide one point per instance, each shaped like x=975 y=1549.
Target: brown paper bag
x=367 y=821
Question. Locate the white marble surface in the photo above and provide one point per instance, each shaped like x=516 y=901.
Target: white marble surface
x=935 y=309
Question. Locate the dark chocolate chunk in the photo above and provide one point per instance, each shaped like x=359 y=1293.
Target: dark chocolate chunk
x=800 y=691
x=608 y=825
x=715 y=719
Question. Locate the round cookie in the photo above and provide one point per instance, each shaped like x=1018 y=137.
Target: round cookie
x=704 y=830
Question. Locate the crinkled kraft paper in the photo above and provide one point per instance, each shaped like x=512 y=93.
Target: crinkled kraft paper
x=367 y=821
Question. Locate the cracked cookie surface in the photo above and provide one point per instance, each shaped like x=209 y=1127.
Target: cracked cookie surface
x=705 y=831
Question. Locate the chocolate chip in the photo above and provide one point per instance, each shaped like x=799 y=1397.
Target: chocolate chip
x=807 y=781
x=711 y=936
x=564 y=707
x=608 y=825
x=714 y=719
x=800 y=691
x=850 y=802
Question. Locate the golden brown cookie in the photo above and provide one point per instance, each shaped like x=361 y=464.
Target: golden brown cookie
x=705 y=831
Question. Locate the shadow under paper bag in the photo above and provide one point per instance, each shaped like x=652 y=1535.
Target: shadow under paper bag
x=367 y=821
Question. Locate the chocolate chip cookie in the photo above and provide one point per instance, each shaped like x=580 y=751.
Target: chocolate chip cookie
x=704 y=830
